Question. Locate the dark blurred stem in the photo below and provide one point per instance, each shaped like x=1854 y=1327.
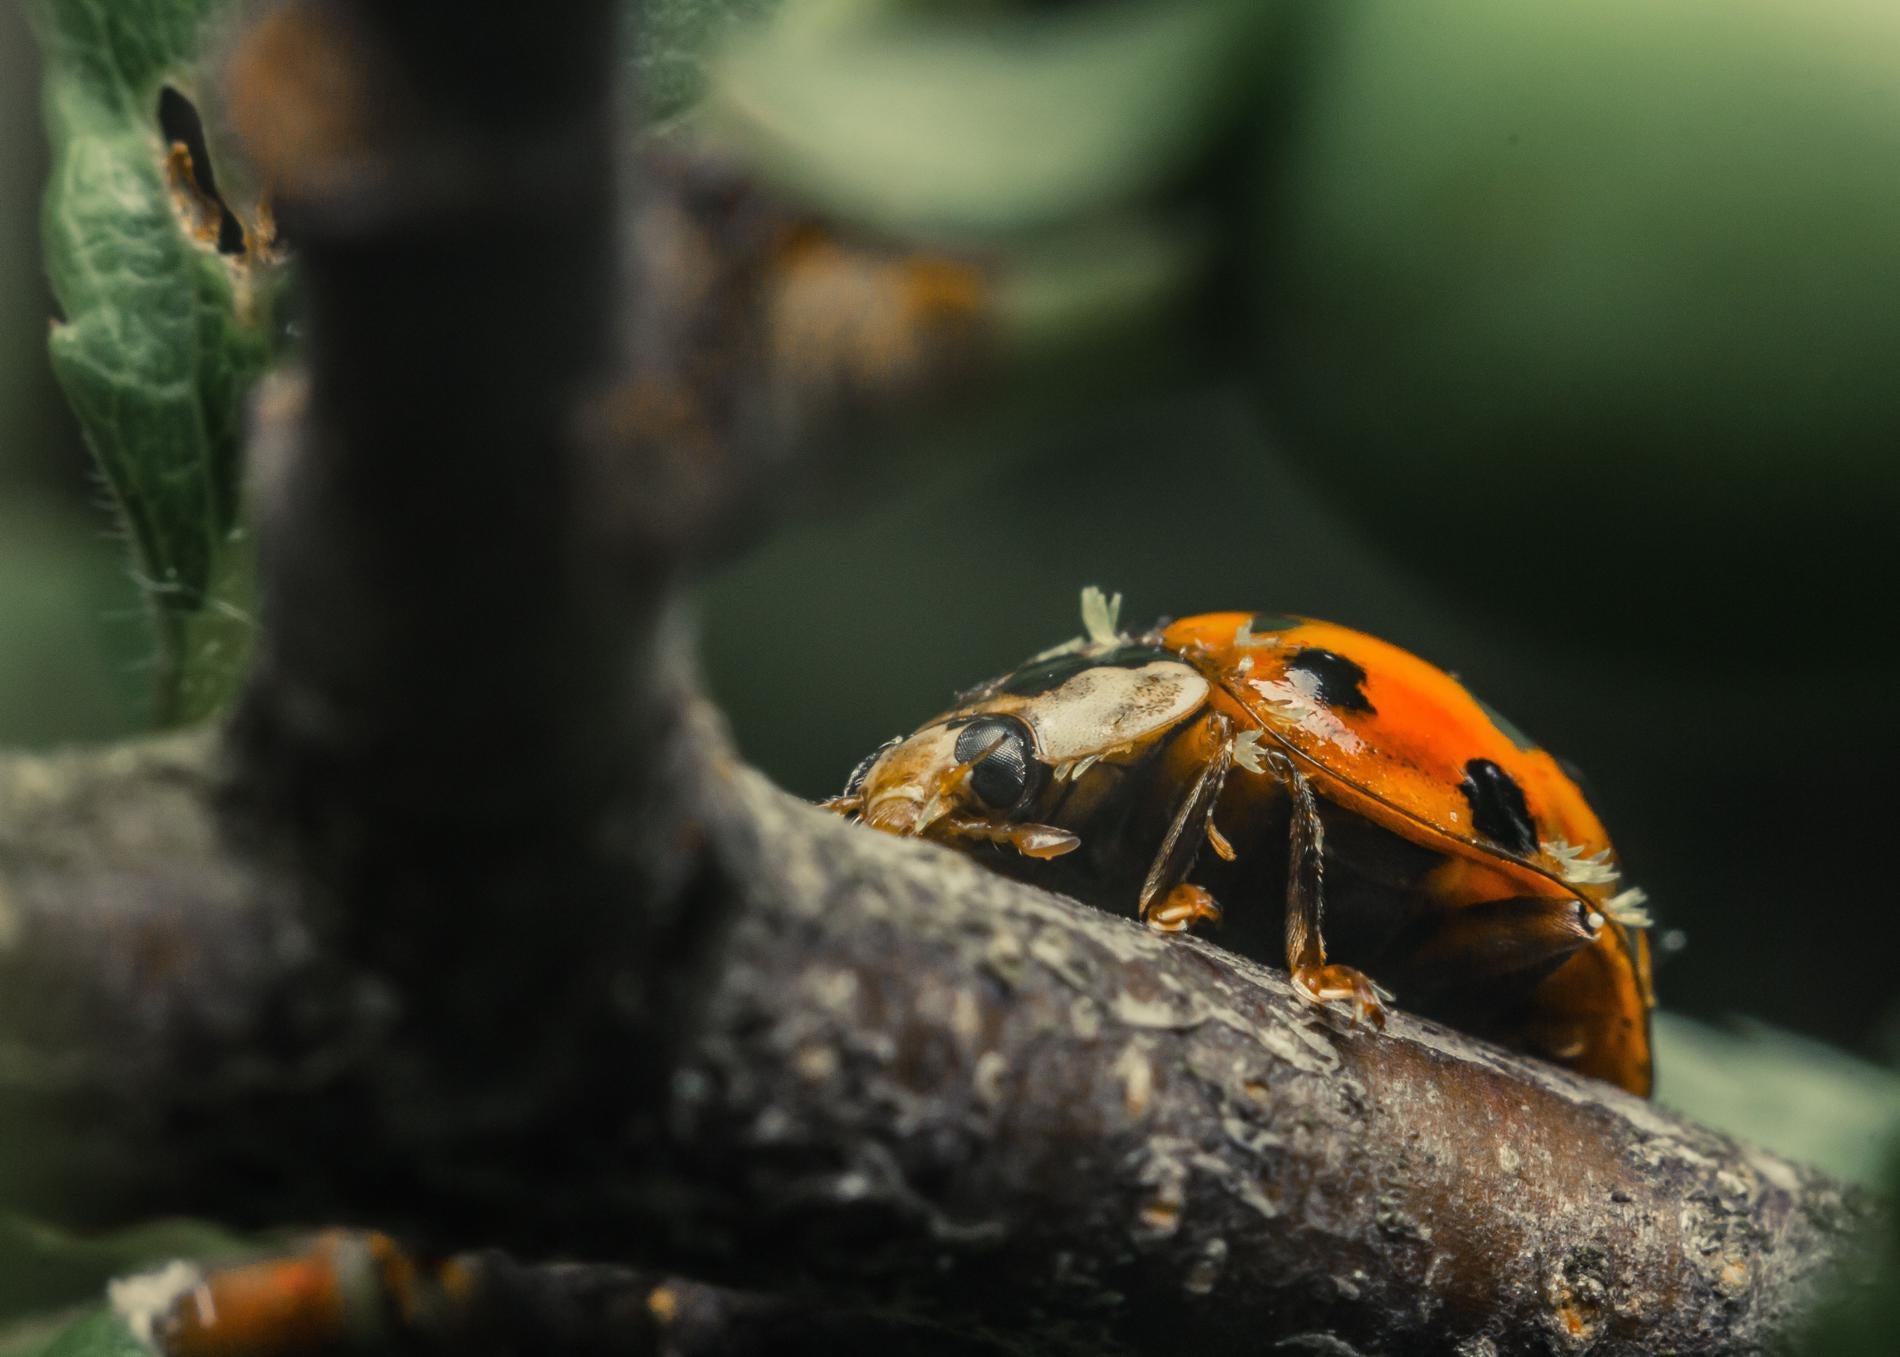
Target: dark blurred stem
x=456 y=667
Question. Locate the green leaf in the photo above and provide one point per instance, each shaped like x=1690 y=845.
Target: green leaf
x=100 y=1333
x=162 y=335
x=71 y=641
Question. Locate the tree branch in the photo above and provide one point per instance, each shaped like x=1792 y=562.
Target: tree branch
x=471 y=925
x=354 y=1291
x=991 y=1108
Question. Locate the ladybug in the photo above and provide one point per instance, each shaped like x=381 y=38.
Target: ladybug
x=1357 y=809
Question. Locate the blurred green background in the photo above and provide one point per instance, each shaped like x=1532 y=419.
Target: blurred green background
x=1550 y=341
x=71 y=638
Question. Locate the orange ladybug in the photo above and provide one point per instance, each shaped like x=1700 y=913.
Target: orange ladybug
x=1304 y=774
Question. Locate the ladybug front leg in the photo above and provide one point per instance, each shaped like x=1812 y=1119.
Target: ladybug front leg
x=1313 y=977
x=1168 y=904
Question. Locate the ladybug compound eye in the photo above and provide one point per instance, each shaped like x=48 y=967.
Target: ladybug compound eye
x=1004 y=772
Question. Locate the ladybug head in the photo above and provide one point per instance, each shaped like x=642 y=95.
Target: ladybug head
x=967 y=778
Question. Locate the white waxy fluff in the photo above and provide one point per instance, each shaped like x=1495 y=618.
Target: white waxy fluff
x=1245 y=751
x=1626 y=907
x=1101 y=616
x=1595 y=870
x=144 y=1301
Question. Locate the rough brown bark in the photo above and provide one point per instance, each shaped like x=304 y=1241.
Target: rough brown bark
x=472 y=926
x=917 y=1084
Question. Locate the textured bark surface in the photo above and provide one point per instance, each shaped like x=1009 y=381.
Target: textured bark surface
x=471 y=926
x=916 y=1085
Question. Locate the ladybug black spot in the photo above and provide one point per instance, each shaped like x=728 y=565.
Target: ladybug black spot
x=1498 y=810
x=1338 y=678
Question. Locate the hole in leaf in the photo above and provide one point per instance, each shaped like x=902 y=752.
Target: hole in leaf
x=180 y=125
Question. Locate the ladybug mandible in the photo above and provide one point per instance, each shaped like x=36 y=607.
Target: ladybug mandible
x=1267 y=761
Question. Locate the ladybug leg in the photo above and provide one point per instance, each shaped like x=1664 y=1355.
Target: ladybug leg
x=1167 y=903
x=1313 y=976
x=1322 y=984
x=1031 y=840
x=1180 y=909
